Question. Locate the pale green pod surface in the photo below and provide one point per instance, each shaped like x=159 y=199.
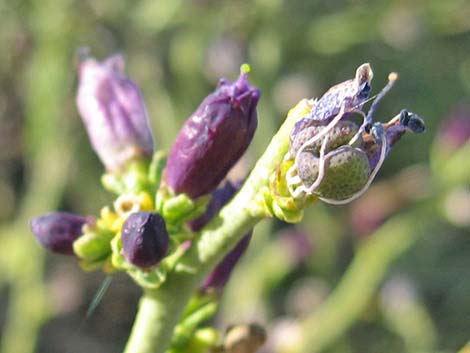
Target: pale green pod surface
x=346 y=172
x=340 y=135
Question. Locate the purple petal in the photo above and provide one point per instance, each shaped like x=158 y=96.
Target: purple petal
x=114 y=112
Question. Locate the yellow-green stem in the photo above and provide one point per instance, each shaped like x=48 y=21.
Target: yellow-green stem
x=160 y=311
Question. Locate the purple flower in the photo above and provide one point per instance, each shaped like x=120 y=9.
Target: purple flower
x=114 y=113
x=144 y=239
x=213 y=138
x=57 y=231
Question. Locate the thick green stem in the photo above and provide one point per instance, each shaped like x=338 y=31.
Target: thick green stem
x=160 y=311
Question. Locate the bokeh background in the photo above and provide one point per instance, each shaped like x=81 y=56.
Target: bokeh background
x=361 y=286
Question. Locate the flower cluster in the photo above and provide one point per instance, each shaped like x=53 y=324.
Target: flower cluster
x=167 y=205
x=140 y=232
x=164 y=201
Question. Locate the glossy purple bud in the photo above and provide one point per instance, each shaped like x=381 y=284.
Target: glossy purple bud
x=144 y=239
x=213 y=138
x=57 y=231
x=221 y=273
x=114 y=113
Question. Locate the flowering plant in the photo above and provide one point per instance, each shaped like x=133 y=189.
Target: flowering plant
x=172 y=230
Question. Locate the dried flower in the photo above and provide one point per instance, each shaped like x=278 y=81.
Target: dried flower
x=348 y=95
x=213 y=139
x=144 y=239
x=335 y=159
x=57 y=231
x=114 y=113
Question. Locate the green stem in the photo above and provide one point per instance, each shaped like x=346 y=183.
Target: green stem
x=160 y=312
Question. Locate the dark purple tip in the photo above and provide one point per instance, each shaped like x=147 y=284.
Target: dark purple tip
x=213 y=139
x=144 y=239
x=57 y=231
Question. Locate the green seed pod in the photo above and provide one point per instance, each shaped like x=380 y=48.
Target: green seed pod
x=340 y=135
x=346 y=172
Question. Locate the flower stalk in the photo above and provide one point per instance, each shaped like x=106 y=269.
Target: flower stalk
x=160 y=310
x=170 y=257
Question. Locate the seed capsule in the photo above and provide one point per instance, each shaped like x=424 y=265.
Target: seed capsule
x=346 y=172
x=340 y=135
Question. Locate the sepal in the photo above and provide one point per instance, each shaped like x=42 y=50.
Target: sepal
x=135 y=178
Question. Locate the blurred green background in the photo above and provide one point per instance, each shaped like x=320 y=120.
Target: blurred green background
x=404 y=289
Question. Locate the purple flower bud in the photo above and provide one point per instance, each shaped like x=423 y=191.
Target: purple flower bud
x=114 y=113
x=213 y=138
x=58 y=230
x=144 y=239
x=221 y=274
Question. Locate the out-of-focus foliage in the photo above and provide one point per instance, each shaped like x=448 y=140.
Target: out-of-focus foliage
x=176 y=51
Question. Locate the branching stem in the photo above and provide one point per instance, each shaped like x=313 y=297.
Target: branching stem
x=160 y=310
